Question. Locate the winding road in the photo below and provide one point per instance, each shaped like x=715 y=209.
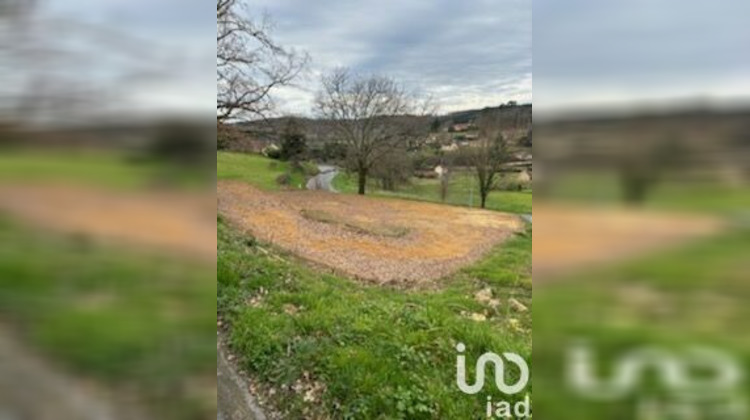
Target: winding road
x=324 y=179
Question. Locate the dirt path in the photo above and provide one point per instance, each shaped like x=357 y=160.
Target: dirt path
x=182 y=222
x=380 y=240
x=570 y=238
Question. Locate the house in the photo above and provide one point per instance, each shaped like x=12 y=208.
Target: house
x=461 y=127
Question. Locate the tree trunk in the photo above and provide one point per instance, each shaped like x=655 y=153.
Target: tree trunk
x=362 y=181
x=484 y=199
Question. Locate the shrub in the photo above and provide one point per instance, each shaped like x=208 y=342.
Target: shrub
x=272 y=152
x=309 y=169
x=284 y=179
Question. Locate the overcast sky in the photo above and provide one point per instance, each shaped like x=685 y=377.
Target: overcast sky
x=467 y=54
x=593 y=54
x=167 y=47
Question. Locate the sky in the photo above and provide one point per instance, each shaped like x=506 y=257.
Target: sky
x=593 y=54
x=466 y=54
x=138 y=56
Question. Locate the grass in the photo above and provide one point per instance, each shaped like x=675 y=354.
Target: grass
x=256 y=170
x=328 y=346
x=129 y=320
x=332 y=347
x=97 y=168
x=262 y=172
x=462 y=192
x=604 y=188
x=694 y=295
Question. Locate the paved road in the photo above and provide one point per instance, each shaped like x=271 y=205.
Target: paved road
x=324 y=179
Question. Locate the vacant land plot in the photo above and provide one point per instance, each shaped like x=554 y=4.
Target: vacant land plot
x=180 y=221
x=573 y=237
x=386 y=241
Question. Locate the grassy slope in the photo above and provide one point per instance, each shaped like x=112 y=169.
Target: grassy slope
x=97 y=168
x=695 y=295
x=262 y=172
x=257 y=170
x=604 y=188
x=117 y=316
x=106 y=169
x=109 y=313
x=690 y=296
x=459 y=193
x=379 y=351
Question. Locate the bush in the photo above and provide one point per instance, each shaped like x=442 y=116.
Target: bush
x=284 y=179
x=511 y=183
x=180 y=143
x=272 y=152
x=309 y=169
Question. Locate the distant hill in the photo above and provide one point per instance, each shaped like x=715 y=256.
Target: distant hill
x=512 y=115
x=520 y=114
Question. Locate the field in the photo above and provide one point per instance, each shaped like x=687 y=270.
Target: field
x=600 y=187
x=693 y=295
x=109 y=282
x=262 y=172
x=318 y=344
x=670 y=275
x=114 y=170
x=462 y=192
x=253 y=169
x=381 y=240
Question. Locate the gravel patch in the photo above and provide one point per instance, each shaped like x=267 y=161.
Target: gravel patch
x=437 y=241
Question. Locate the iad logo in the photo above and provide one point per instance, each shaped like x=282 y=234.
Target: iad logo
x=500 y=409
x=499 y=364
x=696 y=383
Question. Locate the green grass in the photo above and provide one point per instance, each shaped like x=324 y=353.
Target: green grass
x=92 y=167
x=462 y=192
x=256 y=170
x=126 y=319
x=108 y=169
x=262 y=172
x=696 y=295
x=604 y=188
x=380 y=352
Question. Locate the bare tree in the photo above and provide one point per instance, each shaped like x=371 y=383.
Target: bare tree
x=372 y=116
x=488 y=154
x=249 y=64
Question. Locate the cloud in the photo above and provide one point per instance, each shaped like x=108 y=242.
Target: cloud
x=171 y=42
x=467 y=54
x=593 y=52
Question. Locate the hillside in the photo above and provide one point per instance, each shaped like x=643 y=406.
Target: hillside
x=268 y=131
